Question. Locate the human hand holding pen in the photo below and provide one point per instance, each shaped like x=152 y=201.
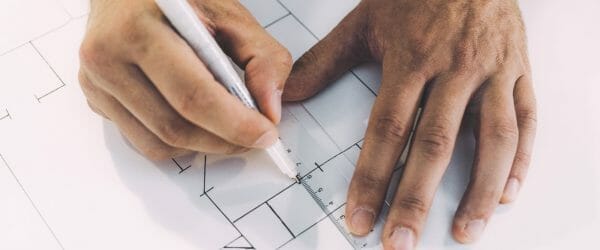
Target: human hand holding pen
x=137 y=72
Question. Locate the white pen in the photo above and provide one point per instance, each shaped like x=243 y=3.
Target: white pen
x=186 y=22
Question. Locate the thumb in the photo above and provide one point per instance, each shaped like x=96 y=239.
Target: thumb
x=267 y=65
x=265 y=78
x=329 y=59
x=265 y=61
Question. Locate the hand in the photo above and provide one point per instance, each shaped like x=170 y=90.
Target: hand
x=137 y=72
x=447 y=55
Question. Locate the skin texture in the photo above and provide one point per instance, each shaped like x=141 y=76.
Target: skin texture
x=454 y=59
x=137 y=72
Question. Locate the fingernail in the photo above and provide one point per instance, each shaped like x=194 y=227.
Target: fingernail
x=402 y=239
x=512 y=189
x=276 y=104
x=266 y=140
x=362 y=221
x=473 y=229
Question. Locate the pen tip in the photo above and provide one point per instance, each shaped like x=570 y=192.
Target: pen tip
x=298 y=178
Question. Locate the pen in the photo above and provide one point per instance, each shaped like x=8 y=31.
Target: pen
x=186 y=22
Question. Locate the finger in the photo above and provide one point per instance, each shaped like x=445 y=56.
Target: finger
x=266 y=63
x=97 y=110
x=336 y=53
x=387 y=134
x=496 y=147
x=525 y=107
x=142 y=139
x=429 y=157
x=265 y=78
x=188 y=86
x=133 y=90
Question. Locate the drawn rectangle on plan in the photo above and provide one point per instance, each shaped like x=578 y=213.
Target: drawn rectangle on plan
x=297 y=209
x=265 y=11
x=299 y=42
x=323 y=235
x=61 y=49
x=318 y=15
x=19 y=83
x=263 y=229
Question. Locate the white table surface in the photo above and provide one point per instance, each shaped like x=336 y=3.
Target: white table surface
x=559 y=207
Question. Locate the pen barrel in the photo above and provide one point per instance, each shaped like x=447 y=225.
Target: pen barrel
x=183 y=18
x=186 y=22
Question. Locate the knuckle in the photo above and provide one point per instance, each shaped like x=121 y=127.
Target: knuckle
x=172 y=133
x=391 y=129
x=435 y=141
x=503 y=132
x=420 y=48
x=527 y=118
x=92 y=52
x=464 y=56
x=413 y=204
x=139 y=42
x=284 y=58
x=420 y=65
x=420 y=56
x=522 y=158
x=132 y=30
x=135 y=32
x=192 y=101
x=369 y=183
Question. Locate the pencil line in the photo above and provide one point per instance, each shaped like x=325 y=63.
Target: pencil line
x=52 y=69
x=31 y=201
x=227 y=218
x=226 y=245
x=338 y=154
x=314 y=224
x=204 y=176
x=281 y=220
x=262 y=203
x=177 y=163
x=6 y=116
x=277 y=20
x=363 y=82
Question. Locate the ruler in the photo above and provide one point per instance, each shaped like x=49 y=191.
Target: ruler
x=328 y=186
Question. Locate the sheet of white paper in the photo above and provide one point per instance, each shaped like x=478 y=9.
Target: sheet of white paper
x=24 y=20
x=72 y=182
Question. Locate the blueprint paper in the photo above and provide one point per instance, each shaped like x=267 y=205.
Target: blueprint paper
x=73 y=182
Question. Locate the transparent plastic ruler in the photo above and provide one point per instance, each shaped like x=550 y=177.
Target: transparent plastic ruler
x=327 y=183
x=328 y=186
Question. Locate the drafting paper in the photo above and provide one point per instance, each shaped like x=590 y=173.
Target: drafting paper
x=73 y=182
